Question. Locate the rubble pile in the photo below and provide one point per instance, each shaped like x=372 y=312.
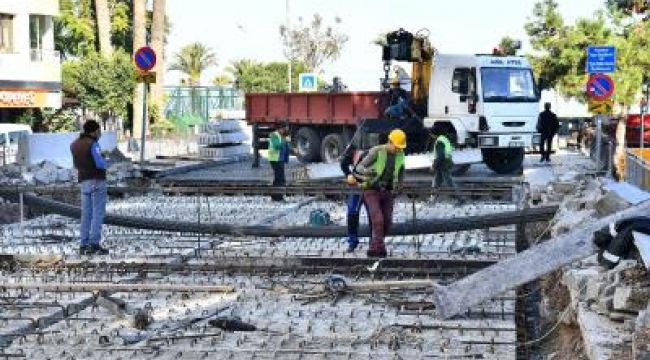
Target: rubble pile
x=47 y=173
x=611 y=308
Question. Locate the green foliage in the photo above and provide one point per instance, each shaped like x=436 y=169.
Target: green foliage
x=561 y=49
x=101 y=85
x=313 y=43
x=222 y=80
x=255 y=76
x=60 y=120
x=74 y=28
x=162 y=127
x=192 y=60
x=509 y=46
x=27 y=118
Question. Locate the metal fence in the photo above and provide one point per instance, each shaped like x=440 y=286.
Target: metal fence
x=637 y=169
x=202 y=102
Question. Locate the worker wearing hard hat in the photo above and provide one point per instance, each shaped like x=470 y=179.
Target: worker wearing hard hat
x=383 y=168
x=399 y=100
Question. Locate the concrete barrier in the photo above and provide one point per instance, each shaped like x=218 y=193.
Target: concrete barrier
x=55 y=147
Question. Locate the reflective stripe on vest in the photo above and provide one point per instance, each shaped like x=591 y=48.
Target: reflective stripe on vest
x=274 y=154
x=443 y=139
x=380 y=164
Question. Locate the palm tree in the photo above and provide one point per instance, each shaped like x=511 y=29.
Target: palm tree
x=192 y=60
x=158 y=44
x=103 y=27
x=139 y=40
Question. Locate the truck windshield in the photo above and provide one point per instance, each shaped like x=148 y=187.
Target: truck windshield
x=508 y=85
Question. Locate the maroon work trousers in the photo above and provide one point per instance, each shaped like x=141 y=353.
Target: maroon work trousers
x=380 y=210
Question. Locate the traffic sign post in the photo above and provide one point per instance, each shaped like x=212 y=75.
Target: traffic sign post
x=601 y=59
x=145 y=60
x=307 y=82
x=600 y=87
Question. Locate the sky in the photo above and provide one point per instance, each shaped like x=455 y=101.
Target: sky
x=237 y=29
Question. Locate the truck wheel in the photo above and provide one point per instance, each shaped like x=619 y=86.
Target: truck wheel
x=503 y=161
x=307 y=144
x=331 y=148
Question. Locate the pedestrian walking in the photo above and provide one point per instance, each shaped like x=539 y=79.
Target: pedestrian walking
x=383 y=169
x=349 y=161
x=91 y=173
x=547 y=125
x=279 y=155
x=442 y=162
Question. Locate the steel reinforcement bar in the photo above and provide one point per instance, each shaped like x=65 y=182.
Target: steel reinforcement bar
x=408 y=228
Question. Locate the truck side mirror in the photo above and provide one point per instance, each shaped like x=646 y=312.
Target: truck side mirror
x=541 y=84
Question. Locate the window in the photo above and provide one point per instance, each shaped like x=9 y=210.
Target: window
x=37 y=27
x=460 y=81
x=508 y=85
x=6 y=33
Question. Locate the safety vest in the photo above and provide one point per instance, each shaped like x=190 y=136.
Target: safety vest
x=380 y=165
x=443 y=139
x=274 y=153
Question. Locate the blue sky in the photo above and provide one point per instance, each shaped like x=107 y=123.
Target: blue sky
x=238 y=29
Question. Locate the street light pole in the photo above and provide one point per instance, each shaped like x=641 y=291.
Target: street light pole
x=288 y=37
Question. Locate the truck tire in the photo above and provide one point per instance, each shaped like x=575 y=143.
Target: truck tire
x=307 y=144
x=503 y=160
x=331 y=148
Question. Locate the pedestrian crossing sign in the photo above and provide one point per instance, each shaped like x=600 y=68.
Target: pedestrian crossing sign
x=307 y=82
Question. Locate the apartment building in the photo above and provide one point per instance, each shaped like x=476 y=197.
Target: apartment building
x=30 y=68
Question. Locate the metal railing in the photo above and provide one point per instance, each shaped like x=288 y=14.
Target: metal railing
x=201 y=101
x=637 y=169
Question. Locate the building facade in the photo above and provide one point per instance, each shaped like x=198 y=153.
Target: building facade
x=30 y=68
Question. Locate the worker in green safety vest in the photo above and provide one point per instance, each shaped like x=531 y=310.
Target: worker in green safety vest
x=278 y=155
x=383 y=170
x=442 y=162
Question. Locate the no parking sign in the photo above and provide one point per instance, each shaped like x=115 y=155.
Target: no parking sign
x=600 y=87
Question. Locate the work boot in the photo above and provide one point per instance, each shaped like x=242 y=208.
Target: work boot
x=84 y=250
x=353 y=242
x=372 y=253
x=351 y=248
x=98 y=250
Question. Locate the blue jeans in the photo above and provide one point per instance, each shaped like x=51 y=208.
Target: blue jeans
x=354 y=208
x=93 y=207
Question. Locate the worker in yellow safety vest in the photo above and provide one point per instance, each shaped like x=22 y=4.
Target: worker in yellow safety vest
x=442 y=162
x=383 y=168
x=278 y=155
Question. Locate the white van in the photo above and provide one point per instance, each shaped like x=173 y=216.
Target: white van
x=9 y=136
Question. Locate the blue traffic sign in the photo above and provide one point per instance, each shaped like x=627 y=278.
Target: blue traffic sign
x=307 y=82
x=601 y=59
x=600 y=87
x=145 y=58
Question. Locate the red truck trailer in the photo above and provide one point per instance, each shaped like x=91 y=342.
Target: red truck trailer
x=321 y=123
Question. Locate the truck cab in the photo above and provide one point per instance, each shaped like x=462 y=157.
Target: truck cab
x=485 y=101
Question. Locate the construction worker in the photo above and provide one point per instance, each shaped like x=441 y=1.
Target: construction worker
x=442 y=162
x=91 y=174
x=278 y=155
x=399 y=101
x=349 y=161
x=383 y=169
x=547 y=125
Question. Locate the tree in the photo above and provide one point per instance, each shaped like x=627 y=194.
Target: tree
x=139 y=40
x=222 y=80
x=158 y=44
x=509 y=46
x=313 y=44
x=102 y=85
x=255 y=76
x=192 y=60
x=74 y=28
x=103 y=27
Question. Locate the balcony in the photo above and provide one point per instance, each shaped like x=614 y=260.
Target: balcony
x=40 y=55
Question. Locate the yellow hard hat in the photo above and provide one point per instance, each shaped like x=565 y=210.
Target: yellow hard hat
x=398 y=138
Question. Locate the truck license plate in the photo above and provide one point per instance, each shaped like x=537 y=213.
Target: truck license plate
x=516 y=144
